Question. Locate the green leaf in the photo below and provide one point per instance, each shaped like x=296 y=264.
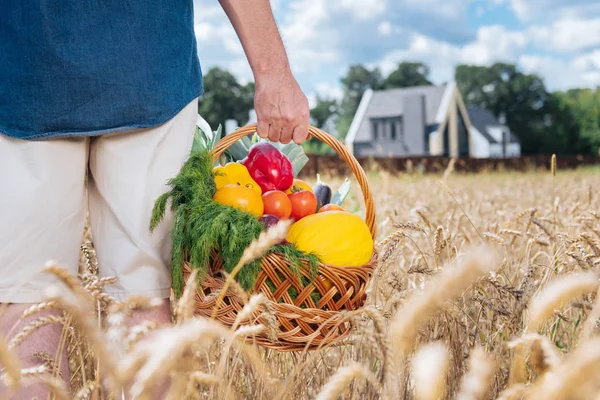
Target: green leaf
x=246 y=142
x=341 y=194
x=237 y=151
x=216 y=136
x=298 y=163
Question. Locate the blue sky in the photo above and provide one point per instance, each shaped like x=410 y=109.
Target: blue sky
x=557 y=39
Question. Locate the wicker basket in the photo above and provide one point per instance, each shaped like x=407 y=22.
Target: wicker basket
x=303 y=325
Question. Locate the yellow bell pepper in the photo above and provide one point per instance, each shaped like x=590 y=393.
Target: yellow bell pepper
x=234 y=173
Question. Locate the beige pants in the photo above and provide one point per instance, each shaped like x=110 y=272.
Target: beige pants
x=42 y=207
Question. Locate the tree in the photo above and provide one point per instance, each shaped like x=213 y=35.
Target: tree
x=532 y=114
x=407 y=74
x=324 y=109
x=355 y=83
x=585 y=107
x=225 y=98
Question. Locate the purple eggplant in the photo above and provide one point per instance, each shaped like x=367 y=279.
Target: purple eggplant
x=268 y=221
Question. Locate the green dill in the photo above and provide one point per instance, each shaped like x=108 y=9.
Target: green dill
x=202 y=225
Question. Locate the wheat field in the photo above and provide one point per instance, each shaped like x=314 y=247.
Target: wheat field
x=486 y=288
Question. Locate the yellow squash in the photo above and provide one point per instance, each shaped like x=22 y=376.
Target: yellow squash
x=235 y=174
x=242 y=198
x=336 y=237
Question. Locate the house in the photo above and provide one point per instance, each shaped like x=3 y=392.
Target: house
x=426 y=121
x=491 y=137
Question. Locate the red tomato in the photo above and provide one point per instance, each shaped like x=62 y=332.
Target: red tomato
x=303 y=203
x=277 y=203
x=331 y=207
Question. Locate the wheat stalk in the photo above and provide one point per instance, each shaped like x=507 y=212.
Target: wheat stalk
x=186 y=304
x=557 y=293
x=477 y=382
x=429 y=371
x=418 y=309
x=32 y=327
x=343 y=377
x=12 y=366
x=267 y=239
x=575 y=378
x=592 y=320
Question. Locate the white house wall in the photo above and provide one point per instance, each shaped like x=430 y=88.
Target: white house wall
x=513 y=150
x=496 y=150
x=480 y=146
x=495 y=132
x=435 y=144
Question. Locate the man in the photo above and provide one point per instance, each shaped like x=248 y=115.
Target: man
x=111 y=86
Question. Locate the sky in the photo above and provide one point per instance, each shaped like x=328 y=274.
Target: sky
x=556 y=39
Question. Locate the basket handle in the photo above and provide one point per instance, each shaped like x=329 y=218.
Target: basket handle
x=332 y=142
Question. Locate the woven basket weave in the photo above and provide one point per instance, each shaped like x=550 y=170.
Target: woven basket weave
x=302 y=323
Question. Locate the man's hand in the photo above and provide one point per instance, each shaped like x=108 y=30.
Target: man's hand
x=281 y=107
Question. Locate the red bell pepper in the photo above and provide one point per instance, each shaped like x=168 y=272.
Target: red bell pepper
x=269 y=167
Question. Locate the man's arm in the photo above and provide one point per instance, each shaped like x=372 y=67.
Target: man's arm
x=281 y=107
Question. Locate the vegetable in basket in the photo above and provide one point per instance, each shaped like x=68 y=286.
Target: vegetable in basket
x=299 y=185
x=322 y=192
x=304 y=203
x=233 y=173
x=277 y=203
x=240 y=197
x=202 y=224
x=338 y=238
x=269 y=167
x=331 y=207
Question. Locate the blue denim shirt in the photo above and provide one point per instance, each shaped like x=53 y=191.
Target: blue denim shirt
x=89 y=67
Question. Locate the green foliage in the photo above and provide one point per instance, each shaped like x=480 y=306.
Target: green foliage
x=201 y=225
x=584 y=106
x=406 y=75
x=355 y=83
x=544 y=122
x=324 y=109
x=225 y=97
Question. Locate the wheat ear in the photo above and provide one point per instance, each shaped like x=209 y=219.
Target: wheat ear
x=267 y=239
x=340 y=381
x=429 y=371
x=556 y=294
x=419 y=308
x=478 y=380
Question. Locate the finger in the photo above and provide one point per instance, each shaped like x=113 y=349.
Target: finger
x=262 y=128
x=287 y=134
x=275 y=130
x=300 y=133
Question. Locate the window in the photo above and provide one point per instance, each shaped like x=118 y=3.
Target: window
x=387 y=129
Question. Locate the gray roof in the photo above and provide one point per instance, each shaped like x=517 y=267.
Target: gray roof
x=392 y=103
x=388 y=103
x=482 y=118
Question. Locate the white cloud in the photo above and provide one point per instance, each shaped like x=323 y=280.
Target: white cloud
x=564 y=74
x=329 y=90
x=364 y=9
x=308 y=38
x=560 y=39
x=497 y=44
x=385 y=28
x=203 y=31
x=494 y=43
x=527 y=10
x=567 y=34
